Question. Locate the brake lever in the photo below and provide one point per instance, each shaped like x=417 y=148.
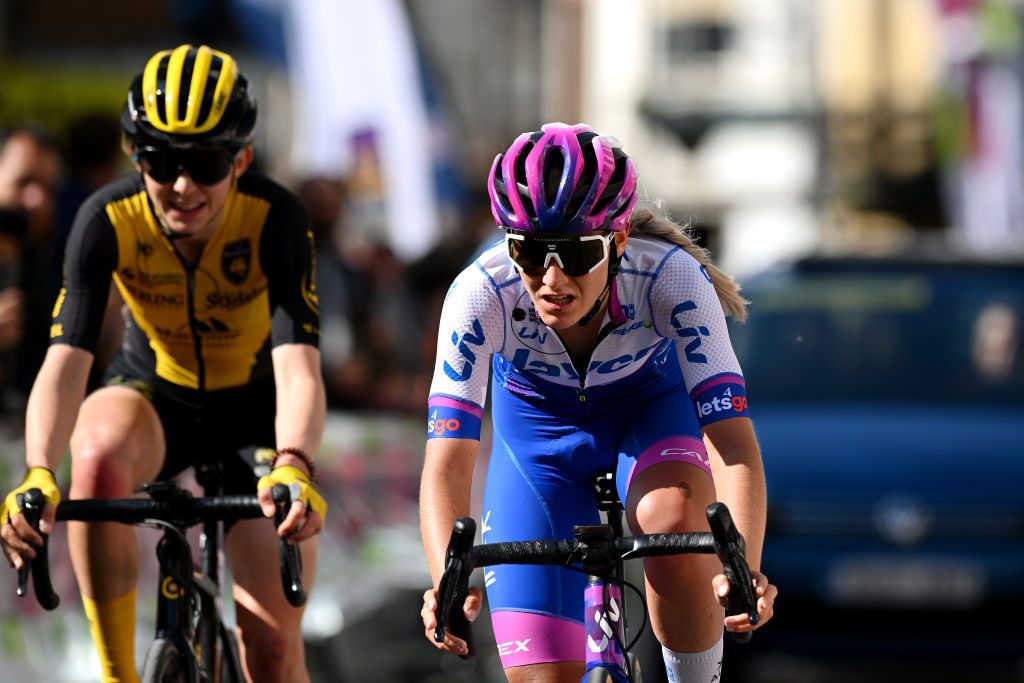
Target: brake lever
x=31 y=503
x=289 y=555
x=453 y=589
x=731 y=550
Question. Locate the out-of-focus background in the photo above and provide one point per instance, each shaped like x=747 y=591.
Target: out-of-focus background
x=859 y=164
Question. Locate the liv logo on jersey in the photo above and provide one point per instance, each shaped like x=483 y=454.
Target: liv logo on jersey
x=475 y=338
x=694 y=332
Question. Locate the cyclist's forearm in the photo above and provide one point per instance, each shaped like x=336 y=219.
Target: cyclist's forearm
x=301 y=405
x=444 y=495
x=739 y=480
x=53 y=405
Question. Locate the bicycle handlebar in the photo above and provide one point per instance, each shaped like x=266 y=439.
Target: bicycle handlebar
x=462 y=557
x=185 y=511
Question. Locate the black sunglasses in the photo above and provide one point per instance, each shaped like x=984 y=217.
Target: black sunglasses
x=576 y=255
x=206 y=166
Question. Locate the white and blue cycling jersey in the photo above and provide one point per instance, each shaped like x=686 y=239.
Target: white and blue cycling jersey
x=663 y=370
x=669 y=312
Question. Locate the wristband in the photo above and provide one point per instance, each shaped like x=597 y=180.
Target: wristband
x=298 y=453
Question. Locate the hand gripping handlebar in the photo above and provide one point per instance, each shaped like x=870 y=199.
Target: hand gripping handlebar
x=462 y=557
x=184 y=510
x=731 y=550
x=454 y=586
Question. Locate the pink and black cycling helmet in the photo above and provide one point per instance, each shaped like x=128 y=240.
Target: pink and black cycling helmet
x=563 y=179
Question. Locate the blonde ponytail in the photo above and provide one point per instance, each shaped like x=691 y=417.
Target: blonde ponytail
x=656 y=223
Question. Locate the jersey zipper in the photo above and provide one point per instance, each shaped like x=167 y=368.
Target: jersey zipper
x=190 y=278
x=197 y=340
x=581 y=395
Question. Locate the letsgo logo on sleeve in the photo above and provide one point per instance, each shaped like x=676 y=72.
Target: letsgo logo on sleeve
x=439 y=426
x=721 y=406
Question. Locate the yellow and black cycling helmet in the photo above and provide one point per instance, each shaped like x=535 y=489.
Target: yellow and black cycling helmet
x=190 y=96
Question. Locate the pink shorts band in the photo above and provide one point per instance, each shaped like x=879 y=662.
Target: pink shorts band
x=532 y=638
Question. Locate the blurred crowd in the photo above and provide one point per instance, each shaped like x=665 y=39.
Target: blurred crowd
x=378 y=314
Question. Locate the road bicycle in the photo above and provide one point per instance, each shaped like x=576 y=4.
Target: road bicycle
x=599 y=551
x=192 y=643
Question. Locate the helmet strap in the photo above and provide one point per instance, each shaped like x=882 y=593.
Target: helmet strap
x=613 y=270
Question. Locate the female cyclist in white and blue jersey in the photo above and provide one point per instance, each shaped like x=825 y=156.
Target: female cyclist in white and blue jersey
x=604 y=329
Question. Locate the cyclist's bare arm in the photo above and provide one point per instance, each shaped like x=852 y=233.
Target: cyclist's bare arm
x=53 y=405
x=300 y=397
x=301 y=406
x=444 y=497
x=739 y=483
x=52 y=410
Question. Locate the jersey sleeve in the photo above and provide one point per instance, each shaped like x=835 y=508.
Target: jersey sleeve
x=90 y=258
x=687 y=310
x=288 y=257
x=470 y=331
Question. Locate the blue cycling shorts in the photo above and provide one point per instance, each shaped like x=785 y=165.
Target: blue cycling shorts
x=540 y=484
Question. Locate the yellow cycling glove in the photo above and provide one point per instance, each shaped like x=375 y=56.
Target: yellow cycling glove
x=299 y=486
x=36 y=478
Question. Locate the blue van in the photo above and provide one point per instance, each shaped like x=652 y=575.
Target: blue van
x=888 y=398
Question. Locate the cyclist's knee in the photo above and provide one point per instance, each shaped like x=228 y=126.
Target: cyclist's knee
x=667 y=509
x=99 y=469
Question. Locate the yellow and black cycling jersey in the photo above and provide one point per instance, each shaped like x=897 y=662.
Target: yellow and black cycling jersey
x=210 y=326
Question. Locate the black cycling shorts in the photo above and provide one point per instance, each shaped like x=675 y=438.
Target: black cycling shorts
x=205 y=426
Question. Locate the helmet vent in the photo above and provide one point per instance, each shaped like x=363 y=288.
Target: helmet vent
x=519 y=174
x=583 y=187
x=554 y=166
x=614 y=186
x=185 y=84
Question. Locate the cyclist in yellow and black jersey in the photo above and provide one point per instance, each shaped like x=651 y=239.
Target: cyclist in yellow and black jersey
x=216 y=268
x=205 y=326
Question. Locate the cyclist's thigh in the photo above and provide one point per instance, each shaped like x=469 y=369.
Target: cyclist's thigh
x=263 y=613
x=663 y=459
x=663 y=447
x=117 y=443
x=539 y=485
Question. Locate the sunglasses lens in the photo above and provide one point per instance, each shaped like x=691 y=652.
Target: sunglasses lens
x=526 y=256
x=160 y=166
x=576 y=257
x=204 y=166
x=207 y=167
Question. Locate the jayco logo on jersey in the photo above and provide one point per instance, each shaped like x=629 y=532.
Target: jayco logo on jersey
x=686 y=332
x=463 y=343
x=522 y=360
x=725 y=402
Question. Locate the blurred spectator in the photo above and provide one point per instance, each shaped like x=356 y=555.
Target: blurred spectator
x=13 y=225
x=996 y=341
x=324 y=198
x=94 y=158
x=30 y=170
x=370 y=315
